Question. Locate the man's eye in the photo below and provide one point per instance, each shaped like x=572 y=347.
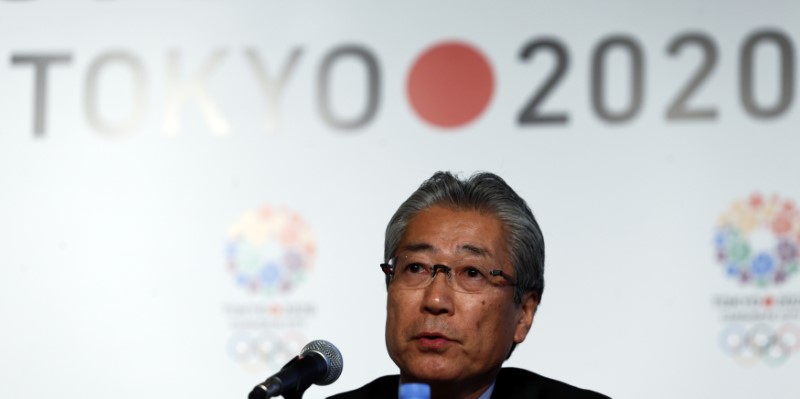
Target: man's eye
x=415 y=268
x=472 y=272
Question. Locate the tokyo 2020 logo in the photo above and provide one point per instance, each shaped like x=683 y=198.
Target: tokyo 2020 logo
x=270 y=250
x=758 y=240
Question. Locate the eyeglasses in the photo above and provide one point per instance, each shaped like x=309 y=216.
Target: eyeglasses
x=409 y=273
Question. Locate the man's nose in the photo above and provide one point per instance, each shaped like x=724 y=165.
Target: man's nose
x=437 y=297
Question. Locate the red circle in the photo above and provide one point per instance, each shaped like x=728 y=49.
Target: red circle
x=450 y=84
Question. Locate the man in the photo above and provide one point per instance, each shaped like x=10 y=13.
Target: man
x=465 y=273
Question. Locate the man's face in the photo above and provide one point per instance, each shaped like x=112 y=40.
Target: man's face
x=438 y=334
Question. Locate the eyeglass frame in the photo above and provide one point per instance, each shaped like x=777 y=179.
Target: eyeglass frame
x=389 y=270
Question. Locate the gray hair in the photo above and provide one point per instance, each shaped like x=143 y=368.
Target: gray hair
x=486 y=193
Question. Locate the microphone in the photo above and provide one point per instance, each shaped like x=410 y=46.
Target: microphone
x=318 y=363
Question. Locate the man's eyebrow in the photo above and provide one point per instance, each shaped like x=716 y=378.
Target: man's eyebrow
x=417 y=247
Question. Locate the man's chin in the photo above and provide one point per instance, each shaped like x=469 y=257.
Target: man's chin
x=431 y=369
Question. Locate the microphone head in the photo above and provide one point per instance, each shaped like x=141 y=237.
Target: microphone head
x=332 y=357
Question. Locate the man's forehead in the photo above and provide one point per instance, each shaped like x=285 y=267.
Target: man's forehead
x=457 y=231
x=465 y=249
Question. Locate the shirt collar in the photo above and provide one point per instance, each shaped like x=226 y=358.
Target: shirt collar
x=488 y=393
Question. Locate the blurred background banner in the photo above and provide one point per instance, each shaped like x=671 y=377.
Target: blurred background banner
x=191 y=190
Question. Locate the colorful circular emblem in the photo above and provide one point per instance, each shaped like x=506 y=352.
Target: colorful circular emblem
x=270 y=250
x=758 y=240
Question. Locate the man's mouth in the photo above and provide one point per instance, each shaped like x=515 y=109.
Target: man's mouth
x=432 y=340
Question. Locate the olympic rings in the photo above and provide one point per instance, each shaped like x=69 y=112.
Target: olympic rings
x=761 y=341
x=265 y=348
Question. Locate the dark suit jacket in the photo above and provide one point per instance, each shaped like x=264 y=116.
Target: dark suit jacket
x=511 y=383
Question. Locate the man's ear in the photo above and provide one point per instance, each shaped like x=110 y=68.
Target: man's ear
x=530 y=302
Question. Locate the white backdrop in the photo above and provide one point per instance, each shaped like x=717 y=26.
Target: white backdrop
x=145 y=144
